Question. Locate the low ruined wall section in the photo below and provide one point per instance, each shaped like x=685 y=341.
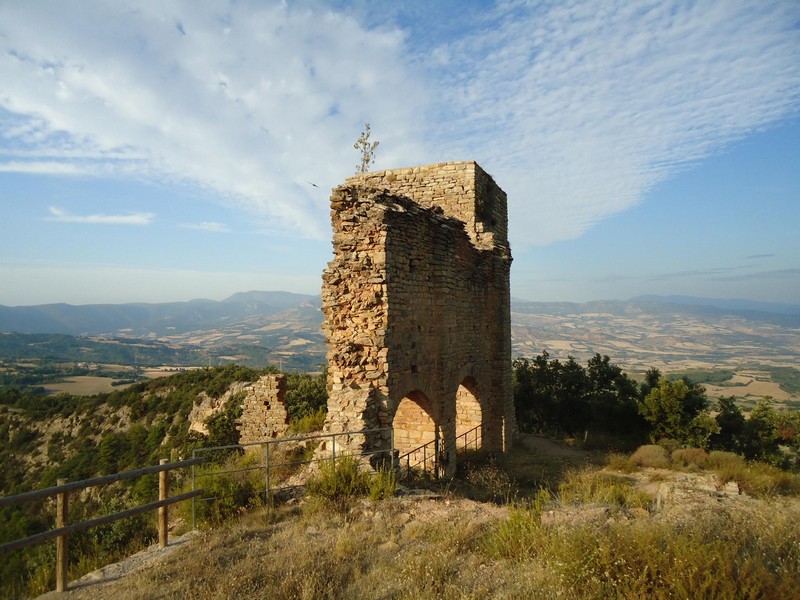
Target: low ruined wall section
x=264 y=414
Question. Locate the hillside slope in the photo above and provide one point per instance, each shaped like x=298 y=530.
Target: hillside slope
x=663 y=533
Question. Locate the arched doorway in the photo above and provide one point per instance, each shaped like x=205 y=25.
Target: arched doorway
x=415 y=434
x=469 y=416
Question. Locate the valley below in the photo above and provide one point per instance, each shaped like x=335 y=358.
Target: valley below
x=744 y=353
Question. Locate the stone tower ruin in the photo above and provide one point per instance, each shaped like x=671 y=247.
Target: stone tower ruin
x=417 y=311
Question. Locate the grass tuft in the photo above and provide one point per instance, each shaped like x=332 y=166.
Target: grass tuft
x=492 y=482
x=589 y=486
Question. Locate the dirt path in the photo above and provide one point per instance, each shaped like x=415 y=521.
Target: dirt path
x=146 y=558
x=549 y=447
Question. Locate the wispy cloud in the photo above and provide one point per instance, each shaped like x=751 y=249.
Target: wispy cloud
x=62 y=216
x=207 y=226
x=42 y=168
x=577 y=110
x=787 y=274
x=758 y=256
x=580 y=109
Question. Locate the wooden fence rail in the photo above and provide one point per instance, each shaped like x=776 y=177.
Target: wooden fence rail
x=63 y=529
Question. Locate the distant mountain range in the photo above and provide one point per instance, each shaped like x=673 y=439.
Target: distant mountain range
x=284 y=328
x=141 y=320
x=730 y=304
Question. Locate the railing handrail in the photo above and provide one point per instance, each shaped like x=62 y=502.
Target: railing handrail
x=63 y=528
x=417 y=449
x=465 y=433
x=84 y=525
x=94 y=481
x=268 y=465
x=282 y=440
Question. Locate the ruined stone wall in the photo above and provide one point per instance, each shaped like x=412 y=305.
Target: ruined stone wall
x=417 y=301
x=264 y=410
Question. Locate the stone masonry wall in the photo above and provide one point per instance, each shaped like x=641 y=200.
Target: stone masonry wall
x=417 y=301
x=264 y=410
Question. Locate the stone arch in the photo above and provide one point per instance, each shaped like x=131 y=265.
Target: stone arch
x=414 y=426
x=469 y=416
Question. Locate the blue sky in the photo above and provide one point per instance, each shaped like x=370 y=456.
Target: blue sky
x=159 y=151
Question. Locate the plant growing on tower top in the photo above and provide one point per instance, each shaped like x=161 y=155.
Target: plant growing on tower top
x=366 y=149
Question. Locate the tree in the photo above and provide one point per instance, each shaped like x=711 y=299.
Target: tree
x=613 y=399
x=306 y=394
x=651 y=378
x=553 y=396
x=534 y=393
x=761 y=435
x=731 y=422
x=366 y=149
x=676 y=410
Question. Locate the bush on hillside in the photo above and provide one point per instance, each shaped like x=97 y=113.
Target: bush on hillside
x=651 y=456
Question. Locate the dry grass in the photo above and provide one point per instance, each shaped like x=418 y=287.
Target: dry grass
x=756 y=557
x=405 y=548
x=410 y=549
x=590 y=486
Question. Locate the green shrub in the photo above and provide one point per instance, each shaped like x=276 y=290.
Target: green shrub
x=230 y=488
x=383 y=484
x=651 y=456
x=339 y=482
x=309 y=422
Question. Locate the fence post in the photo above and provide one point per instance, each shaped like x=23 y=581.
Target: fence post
x=194 y=455
x=333 y=451
x=62 y=541
x=268 y=475
x=163 y=513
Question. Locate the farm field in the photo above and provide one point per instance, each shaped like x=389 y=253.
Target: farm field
x=84 y=385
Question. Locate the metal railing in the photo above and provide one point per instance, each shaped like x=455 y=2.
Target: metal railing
x=63 y=528
x=424 y=457
x=271 y=463
x=476 y=433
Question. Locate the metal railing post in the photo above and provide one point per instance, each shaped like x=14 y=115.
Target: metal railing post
x=391 y=450
x=333 y=451
x=163 y=512
x=62 y=541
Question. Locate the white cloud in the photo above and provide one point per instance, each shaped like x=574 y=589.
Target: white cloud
x=577 y=109
x=248 y=102
x=211 y=226
x=62 y=216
